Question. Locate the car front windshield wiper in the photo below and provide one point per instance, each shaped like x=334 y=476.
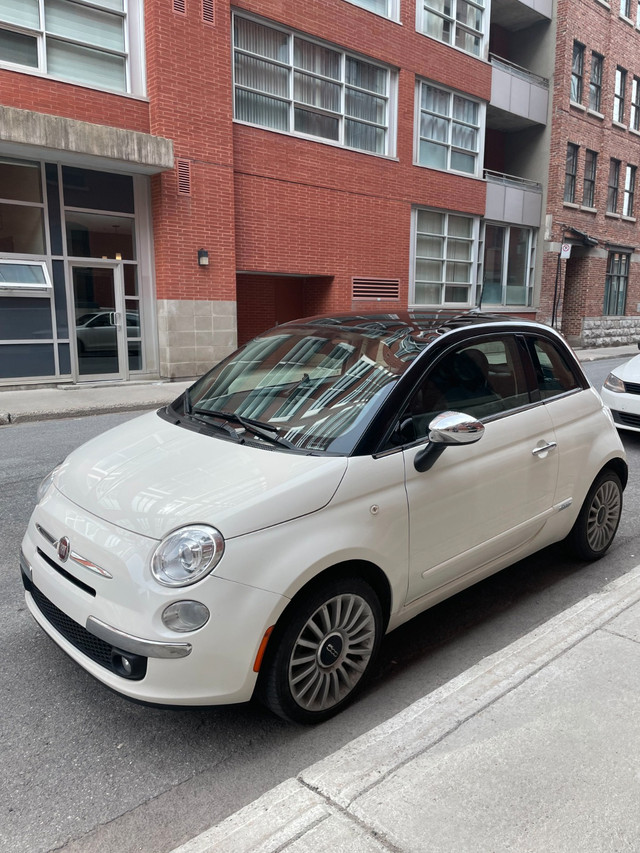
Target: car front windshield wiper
x=213 y=422
x=266 y=431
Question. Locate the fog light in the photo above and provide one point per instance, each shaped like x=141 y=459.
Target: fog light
x=126 y=664
x=185 y=616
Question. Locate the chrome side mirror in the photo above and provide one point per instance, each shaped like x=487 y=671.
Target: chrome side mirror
x=455 y=428
x=448 y=428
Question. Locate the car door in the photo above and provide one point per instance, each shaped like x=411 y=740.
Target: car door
x=478 y=502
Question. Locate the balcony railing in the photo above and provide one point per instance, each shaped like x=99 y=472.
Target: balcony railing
x=511 y=199
x=518 y=70
x=511 y=181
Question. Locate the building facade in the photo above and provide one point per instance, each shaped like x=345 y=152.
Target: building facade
x=595 y=153
x=178 y=175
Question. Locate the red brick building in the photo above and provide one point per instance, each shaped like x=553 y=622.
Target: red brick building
x=177 y=175
x=595 y=152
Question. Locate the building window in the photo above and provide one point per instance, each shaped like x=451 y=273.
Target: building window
x=288 y=83
x=634 y=121
x=589 y=186
x=507 y=265
x=448 y=130
x=577 y=72
x=97 y=43
x=614 y=183
x=615 y=288
x=595 y=83
x=24 y=275
x=570 y=172
x=455 y=22
x=386 y=8
x=629 y=190
x=444 y=258
x=625 y=8
x=619 y=94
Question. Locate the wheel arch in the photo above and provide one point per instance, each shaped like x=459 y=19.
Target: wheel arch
x=362 y=569
x=619 y=467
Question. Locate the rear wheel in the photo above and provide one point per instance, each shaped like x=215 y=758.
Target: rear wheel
x=595 y=527
x=324 y=651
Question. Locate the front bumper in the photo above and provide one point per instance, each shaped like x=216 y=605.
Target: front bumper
x=112 y=626
x=625 y=409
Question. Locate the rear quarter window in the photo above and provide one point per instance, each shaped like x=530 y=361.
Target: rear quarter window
x=554 y=373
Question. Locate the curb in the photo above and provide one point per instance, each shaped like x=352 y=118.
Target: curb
x=323 y=798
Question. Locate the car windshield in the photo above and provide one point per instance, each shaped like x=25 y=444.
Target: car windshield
x=317 y=386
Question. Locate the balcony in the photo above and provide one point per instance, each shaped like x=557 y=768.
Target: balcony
x=518 y=14
x=516 y=201
x=519 y=99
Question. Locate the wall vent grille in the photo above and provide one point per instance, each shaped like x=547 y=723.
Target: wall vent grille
x=183 y=168
x=380 y=289
x=207 y=11
x=180 y=7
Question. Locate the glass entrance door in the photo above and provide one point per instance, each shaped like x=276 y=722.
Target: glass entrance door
x=100 y=331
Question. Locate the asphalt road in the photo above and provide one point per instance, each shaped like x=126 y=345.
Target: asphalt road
x=83 y=770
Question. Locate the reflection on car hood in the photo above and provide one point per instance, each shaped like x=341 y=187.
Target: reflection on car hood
x=151 y=477
x=629 y=371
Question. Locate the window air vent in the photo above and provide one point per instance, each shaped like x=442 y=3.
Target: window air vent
x=376 y=289
x=183 y=168
x=207 y=11
x=180 y=7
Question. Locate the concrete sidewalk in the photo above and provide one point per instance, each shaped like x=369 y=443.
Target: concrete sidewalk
x=536 y=748
x=92 y=398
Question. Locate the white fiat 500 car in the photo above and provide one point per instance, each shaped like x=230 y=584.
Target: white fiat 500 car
x=621 y=392
x=328 y=481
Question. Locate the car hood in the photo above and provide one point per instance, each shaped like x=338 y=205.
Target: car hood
x=150 y=476
x=629 y=371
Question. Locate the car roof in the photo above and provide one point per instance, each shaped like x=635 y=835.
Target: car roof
x=418 y=327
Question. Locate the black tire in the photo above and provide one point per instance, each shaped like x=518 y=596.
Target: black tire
x=595 y=527
x=319 y=657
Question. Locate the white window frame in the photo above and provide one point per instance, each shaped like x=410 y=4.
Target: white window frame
x=392 y=8
x=474 y=241
x=133 y=52
x=530 y=266
x=451 y=121
x=390 y=96
x=456 y=27
x=45 y=285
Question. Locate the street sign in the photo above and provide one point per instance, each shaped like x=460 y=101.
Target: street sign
x=566 y=250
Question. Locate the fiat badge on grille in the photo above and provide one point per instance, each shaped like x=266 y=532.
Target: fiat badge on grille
x=64 y=547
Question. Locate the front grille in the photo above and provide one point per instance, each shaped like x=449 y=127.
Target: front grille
x=632 y=387
x=91 y=646
x=626 y=419
x=65 y=574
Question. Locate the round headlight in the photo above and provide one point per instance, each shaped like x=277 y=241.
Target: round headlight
x=185 y=616
x=43 y=488
x=187 y=555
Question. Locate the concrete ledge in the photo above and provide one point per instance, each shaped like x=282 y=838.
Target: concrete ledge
x=109 y=146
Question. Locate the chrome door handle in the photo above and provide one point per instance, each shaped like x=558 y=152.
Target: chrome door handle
x=545 y=448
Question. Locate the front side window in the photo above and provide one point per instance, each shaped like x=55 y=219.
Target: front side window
x=85 y=42
x=456 y=22
x=629 y=191
x=614 y=183
x=570 y=172
x=619 y=95
x=507 y=265
x=589 y=186
x=615 y=288
x=448 y=129
x=577 y=71
x=288 y=83
x=484 y=378
x=444 y=258
x=595 y=83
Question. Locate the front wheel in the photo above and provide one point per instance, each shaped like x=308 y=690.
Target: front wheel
x=595 y=527
x=322 y=654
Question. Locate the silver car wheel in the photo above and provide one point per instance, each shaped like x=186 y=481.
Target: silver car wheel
x=331 y=652
x=604 y=515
